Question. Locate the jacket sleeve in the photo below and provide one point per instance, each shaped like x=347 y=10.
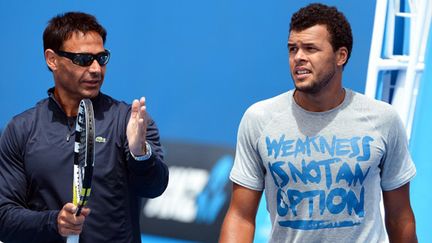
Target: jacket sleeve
x=149 y=178
x=18 y=223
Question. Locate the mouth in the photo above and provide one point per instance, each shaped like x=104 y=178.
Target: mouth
x=302 y=73
x=91 y=83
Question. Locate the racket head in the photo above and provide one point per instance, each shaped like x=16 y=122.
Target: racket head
x=83 y=154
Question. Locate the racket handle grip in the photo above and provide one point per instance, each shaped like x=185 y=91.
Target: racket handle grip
x=73 y=239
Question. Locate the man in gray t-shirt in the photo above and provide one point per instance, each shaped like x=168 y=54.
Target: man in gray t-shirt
x=324 y=154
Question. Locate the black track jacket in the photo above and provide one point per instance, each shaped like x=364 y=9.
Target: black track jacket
x=36 y=167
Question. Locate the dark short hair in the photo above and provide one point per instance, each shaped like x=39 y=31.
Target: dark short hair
x=61 y=27
x=336 y=23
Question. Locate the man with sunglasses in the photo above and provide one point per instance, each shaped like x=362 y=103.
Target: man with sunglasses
x=36 y=149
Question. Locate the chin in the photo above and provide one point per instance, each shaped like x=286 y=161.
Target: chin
x=91 y=94
x=308 y=89
x=303 y=86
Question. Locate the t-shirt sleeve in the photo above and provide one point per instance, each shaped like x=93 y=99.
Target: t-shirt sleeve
x=248 y=170
x=397 y=166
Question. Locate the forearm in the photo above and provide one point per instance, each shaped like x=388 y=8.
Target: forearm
x=235 y=230
x=18 y=224
x=401 y=230
x=399 y=217
x=150 y=177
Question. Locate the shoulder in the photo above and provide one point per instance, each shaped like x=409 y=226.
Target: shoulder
x=378 y=114
x=111 y=108
x=259 y=115
x=111 y=112
x=108 y=102
x=366 y=101
x=21 y=125
x=370 y=106
x=29 y=116
x=271 y=107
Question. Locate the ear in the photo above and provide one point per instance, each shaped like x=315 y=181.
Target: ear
x=341 y=56
x=51 y=59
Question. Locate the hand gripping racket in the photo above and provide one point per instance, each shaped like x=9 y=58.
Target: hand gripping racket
x=83 y=158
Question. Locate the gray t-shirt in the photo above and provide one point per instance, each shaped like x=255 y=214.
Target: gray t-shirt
x=323 y=172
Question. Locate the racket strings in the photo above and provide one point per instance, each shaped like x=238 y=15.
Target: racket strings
x=84 y=154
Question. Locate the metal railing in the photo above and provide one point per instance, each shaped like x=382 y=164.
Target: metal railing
x=396 y=59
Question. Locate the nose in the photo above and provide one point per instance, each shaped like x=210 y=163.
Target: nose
x=299 y=55
x=95 y=67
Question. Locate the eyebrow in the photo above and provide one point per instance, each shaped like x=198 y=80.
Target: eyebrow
x=302 y=44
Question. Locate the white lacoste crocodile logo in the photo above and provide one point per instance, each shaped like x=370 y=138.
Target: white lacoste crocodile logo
x=100 y=139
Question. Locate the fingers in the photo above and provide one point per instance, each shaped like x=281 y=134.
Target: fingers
x=139 y=108
x=135 y=109
x=85 y=211
x=142 y=125
x=68 y=223
x=137 y=127
x=70 y=208
x=138 y=116
x=142 y=101
x=143 y=112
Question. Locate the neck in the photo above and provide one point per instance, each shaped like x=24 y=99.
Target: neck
x=319 y=102
x=69 y=106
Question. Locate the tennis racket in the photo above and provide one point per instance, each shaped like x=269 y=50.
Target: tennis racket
x=84 y=157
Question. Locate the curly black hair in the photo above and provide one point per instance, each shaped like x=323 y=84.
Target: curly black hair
x=336 y=23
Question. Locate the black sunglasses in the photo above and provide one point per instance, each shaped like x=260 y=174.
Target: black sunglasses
x=86 y=59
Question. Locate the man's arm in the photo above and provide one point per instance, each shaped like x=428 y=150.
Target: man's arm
x=399 y=217
x=149 y=177
x=17 y=222
x=239 y=223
